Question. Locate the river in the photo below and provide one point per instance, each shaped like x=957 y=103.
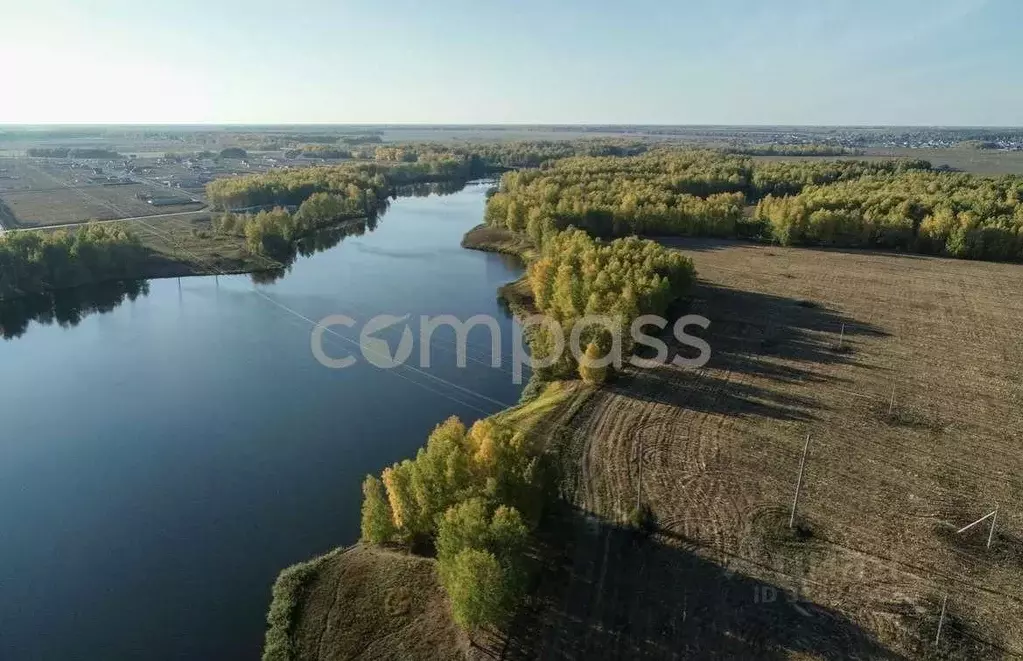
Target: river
x=168 y=450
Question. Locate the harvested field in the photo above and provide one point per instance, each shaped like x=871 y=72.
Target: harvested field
x=75 y=205
x=41 y=194
x=715 y=453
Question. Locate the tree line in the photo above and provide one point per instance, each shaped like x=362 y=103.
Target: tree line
x=273 y=232
x=791 y=150
x=348 y=180
x=940 y=213
x=895 y=204
x=34 y=262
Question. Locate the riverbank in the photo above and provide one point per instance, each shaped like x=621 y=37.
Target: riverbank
x=517 y=295
x=369 y=601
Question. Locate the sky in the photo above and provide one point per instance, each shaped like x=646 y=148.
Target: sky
x=855 y=62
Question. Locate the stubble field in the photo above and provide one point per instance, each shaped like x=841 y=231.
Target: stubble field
x=715 y=453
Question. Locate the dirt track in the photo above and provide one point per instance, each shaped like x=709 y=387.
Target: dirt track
x=715 y=452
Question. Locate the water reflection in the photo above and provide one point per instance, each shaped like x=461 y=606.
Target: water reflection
x=424 y=190
x=69 y=306
x=309 y=245
x=66 y=307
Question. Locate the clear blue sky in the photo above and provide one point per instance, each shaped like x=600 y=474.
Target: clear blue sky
x=954 y=62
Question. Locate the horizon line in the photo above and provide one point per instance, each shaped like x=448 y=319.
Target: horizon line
x=501 y=124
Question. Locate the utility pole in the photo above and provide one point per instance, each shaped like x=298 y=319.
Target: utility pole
x=941 y=620
x=799 y=482
x=991 y=533
x=841 y=337
x=639 y=482
x=891 y=404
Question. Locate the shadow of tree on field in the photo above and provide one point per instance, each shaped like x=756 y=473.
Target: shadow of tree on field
x=607 y=592
x=700 y=390
x=704 y=243
x=773 y=339
x=755 y=333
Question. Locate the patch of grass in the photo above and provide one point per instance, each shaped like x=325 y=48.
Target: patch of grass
x=518 y=296
x=288 y=590
x=499 y=239
x=532 y=415
x=367 y=602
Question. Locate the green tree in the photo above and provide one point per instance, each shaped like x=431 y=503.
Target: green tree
x=464 y=526
x=377 y=518
x=588 y=370
x=478 y=589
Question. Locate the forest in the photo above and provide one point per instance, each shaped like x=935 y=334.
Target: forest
x=33 y=262
x=892 y=204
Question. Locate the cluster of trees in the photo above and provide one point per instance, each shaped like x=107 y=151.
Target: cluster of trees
x=293 y=187
x=234 y=152
x=666 y=192
x=789 y=177
x=66 y=152
x=577 y=276
x=791 y=150
x=959 y=215
x=661 y=192
x=504 y=155
x=273 y=232
x=33 y=262
x=474 y=495
x=318 y=151
x=351 y=180
x=898 y=204
x=362 y=139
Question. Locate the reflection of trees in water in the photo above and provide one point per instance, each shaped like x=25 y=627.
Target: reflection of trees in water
x=66 y=307
x=329 y=237
x=425 y=189
x=313 y=243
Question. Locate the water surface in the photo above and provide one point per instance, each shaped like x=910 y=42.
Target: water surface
x=163 y=458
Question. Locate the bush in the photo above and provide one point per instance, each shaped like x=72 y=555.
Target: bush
x=287 y=593
x=642 y=519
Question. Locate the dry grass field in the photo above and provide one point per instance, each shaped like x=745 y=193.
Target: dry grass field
x=715 y=452
x=370 y=603
x=37 y=194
